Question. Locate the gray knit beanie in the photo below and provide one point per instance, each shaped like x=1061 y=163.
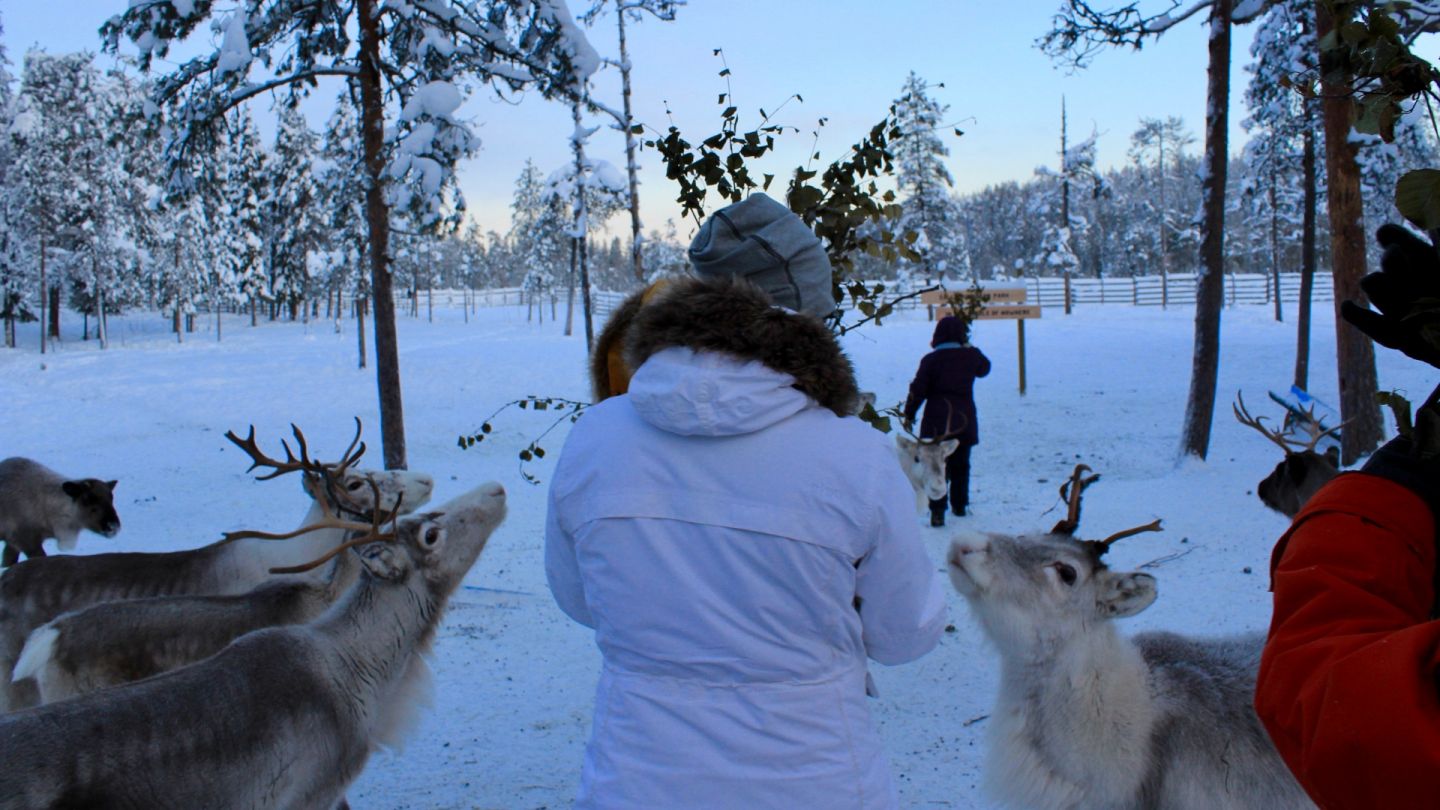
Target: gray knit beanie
x=763 y=242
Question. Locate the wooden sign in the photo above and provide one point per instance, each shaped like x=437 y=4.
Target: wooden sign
x=993 y=295
x=999 y=311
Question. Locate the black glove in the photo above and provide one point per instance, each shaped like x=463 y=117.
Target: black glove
x=1413 y=461
x=1407 y=293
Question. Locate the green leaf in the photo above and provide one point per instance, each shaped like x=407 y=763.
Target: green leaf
x=539 y=451
x=1417 y=195
x=525 y=455
x=541 y=405
x=485 y=428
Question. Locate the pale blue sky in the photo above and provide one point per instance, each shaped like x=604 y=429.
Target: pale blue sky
x=847 y=58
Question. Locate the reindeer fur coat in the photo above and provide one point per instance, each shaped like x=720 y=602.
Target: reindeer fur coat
x=717 y=526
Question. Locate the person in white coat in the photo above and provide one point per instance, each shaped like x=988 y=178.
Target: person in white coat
x=740 y=544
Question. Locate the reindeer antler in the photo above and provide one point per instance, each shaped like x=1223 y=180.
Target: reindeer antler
x=1281 y=436
x=1099 y=547
x=292 y=462
x=1070 y=492
x=1317 y=432
x=372 y=531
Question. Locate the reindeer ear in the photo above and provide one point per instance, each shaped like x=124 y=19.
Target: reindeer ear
x=949 y=446
x=1122 y=595
x=111 y=485
x=906 y=443
x=384 y=561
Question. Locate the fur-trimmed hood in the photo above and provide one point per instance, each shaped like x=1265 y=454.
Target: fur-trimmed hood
x=733 y=317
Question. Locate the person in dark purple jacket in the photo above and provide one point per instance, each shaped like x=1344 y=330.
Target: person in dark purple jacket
x=945 y=385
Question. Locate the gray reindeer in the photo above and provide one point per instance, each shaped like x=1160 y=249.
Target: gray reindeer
x=282 y=718
x=118 y=642
x=37 y=503
x=36 y=591
x=1087 y=719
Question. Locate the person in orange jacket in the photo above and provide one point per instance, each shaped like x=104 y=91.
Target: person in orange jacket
x=1349 y=683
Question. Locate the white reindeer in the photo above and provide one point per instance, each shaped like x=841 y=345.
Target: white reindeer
x=283 y=718
x=923 y=460
x=36 y=591
x=38 y=503
x=1089 y=720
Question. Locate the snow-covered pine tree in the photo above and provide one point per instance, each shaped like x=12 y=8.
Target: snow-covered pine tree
x=17 y=285
x=242 y=176
x=57 y=98
x=539 y=224
x=924 y=181
x=416 y=57
x=296 y=224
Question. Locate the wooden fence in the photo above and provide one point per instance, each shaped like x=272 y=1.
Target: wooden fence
x=1176 y=290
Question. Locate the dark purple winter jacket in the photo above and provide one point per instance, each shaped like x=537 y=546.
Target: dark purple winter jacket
x=945 y=384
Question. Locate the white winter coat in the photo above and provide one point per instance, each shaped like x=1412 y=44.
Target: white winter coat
x=716 y=528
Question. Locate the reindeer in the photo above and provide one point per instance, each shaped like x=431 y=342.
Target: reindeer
x=37 y=503
x=36 y=591
x=118 y=642
x=1089 y=719
x=282 y=718
x=1302 y=472
x=923 y=460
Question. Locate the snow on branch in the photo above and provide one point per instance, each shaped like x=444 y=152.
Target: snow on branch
x=1081 y=31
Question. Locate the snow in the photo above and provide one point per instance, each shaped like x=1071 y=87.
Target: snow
x=514 y=676
x=234 y=54
x=435 y=99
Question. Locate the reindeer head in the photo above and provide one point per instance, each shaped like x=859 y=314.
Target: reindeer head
x=1303 y=471
x=1026 y=590
x=95 y=501
x=438 y=546
x=924 y=463
x=923 y=460
x=335 y=485
x=1029 y=590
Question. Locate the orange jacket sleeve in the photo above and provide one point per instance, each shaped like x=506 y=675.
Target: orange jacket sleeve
x=1347 y=685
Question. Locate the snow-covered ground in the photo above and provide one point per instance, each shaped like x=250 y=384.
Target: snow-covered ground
x=1107 y=386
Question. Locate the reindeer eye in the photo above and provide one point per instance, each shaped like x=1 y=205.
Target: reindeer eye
x=432 y=536
x=354 y=485
x=1066 y=572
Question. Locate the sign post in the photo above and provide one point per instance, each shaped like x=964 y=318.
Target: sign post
x=1001 y=303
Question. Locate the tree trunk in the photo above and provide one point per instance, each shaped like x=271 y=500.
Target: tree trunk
x=100 y=317
x=387 y=354
x=631 y=167
x=43 y=291
x=179 y=332
x=570 y=290
x=1164 y=233
x=1307 y=255
x=585 y=295
x=1210 y=290
x=55 y=311
x=1355 y=354
x=360 y=328
x=1275 y=250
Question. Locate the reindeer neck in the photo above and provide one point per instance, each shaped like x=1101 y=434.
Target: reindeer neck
x=1064 y=684
x=376 y=628
x=248 y=561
